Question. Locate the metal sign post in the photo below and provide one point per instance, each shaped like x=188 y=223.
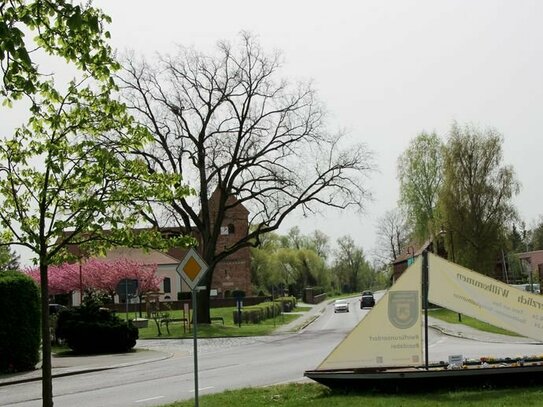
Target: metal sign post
x=195 y=340
x=129 y=288
x=191 y=269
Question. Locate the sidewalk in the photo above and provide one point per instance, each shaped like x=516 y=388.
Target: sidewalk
x=305 y=318
x=70 y=365
x=466 y=332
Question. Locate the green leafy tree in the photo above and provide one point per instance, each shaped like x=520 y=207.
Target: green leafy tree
x=420 y=172
x=476 y=198
x=293 y=261
x=536 y=238
x=61 y=177
x=517 y=239
x=231 y=124
x=265 y=269
x=320 y=243
x=9 y=260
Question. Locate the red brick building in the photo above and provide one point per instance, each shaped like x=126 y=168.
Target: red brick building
x=231 y=274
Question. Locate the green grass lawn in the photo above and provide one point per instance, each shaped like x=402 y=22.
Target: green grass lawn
x=217 y=329
x=315 y=395
x=452 y=317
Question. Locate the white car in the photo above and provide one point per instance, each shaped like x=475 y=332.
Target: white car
x=341 y=306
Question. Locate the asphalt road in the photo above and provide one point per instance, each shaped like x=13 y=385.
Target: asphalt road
x=226 y=364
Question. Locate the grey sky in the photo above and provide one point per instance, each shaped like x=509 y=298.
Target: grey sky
x=385 y=70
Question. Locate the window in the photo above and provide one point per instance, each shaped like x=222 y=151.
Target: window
x=228 y=230
x=167 y=285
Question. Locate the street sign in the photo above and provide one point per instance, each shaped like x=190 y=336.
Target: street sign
x=192 y=268
x=127 y=287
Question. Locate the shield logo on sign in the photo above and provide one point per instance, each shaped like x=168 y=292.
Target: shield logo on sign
x=403 y=308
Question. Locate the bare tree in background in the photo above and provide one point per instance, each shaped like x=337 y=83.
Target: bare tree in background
x=350 y=266
x=392 y=236
x=225 y=123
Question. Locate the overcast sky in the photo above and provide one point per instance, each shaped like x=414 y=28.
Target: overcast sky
x=386 y=70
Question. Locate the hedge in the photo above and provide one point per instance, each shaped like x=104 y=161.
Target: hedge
x=20 y=334
x=265 y=310
x=90 y=329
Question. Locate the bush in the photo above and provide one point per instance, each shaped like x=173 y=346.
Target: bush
x=20 y=334
x=287 y=303
x=256 y=313
x=91 y=329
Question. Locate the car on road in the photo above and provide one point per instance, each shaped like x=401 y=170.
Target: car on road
x=341 y=306
x=367 y=300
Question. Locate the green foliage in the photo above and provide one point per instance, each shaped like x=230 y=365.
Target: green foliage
x=63 y=169
x=516 y=240
x=287 y=303
x=72 y=32
x=20 y=327
x=476 y=198
x=536 y=238
x=257 y=313
x=91 y=329
x=420 y=172
x=69 y=167
x=291 y=261
x=9 y=260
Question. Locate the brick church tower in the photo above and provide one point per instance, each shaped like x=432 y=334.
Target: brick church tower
x=234 y=272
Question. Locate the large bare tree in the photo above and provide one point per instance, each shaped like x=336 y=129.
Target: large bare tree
x=227 y=123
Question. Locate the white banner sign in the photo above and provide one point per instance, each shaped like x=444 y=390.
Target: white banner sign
x=484 y=298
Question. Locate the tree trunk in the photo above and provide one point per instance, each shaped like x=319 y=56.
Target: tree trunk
x=203 y=311
x=47 y=378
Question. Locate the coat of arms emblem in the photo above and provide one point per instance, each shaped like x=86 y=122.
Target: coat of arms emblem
x=403 y=308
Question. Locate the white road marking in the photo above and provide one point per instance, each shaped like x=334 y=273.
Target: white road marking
x=202 y=388
x=149 y=399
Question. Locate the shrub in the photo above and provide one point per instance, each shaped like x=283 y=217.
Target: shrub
x=287 y=303
x=20 y=334
x=256 y=313
x=91 y=329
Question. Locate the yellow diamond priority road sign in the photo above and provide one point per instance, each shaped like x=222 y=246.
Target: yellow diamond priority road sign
x=192 y=268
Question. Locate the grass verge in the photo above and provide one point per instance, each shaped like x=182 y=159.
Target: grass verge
x=315 y=395
x=452 y=317
x=217 y=329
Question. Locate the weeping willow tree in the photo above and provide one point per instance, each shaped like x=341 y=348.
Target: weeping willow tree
x=420 y=172
x=476 y=198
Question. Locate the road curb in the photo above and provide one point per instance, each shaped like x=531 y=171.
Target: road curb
x=480 y=338
x=36 y=375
